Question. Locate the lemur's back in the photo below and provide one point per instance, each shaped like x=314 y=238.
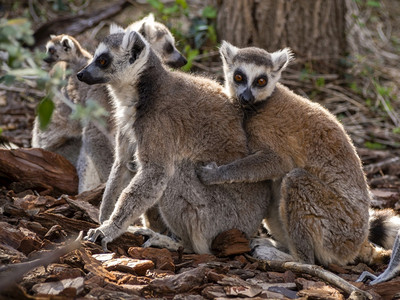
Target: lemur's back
x=201 y=128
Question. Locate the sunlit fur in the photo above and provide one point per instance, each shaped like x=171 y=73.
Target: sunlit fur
x=173 y=121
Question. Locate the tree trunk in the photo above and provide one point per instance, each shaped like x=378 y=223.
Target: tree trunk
x=313 y=29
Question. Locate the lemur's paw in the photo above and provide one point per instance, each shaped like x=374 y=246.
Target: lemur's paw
x=365 y=276
x=208 y=173
x=107 y=232
x=142 y=231
x=162 y=241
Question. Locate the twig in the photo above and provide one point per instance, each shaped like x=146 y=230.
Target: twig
x=14 y=272
x=22 y=90
x=313 y=270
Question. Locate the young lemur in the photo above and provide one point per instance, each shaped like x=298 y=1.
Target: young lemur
x=175 y=122
x=63 y=135
x=321 y=210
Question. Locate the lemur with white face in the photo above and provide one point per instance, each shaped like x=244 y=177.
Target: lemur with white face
x=320 y=211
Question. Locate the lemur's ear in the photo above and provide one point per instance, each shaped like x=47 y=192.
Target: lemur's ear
x=281 y=58
x=67 y=44
x=134 y=43
x=114 y=28
x=146 y=21
x=227 y=51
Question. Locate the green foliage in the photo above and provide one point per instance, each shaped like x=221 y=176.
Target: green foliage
x=201 y=35
x=89 y=112
x=45 y=111
x=374 y=146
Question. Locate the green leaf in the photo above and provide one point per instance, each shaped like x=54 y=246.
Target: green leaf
x=45 y=110
x=182 y=3
x=156 y=4
x=373 y=3
x=320 y=82
x=209 y=12
x=374 y=146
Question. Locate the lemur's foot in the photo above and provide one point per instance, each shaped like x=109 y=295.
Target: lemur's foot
x=156 y=239
x=391 y=271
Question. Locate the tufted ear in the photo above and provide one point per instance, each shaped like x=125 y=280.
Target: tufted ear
x=281 y=58
x=67 y=43
x=134 y=43
x=149 y=18
x=227 y=51
x=114 y=28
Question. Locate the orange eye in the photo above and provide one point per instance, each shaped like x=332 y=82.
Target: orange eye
x=102 y=61
x=261 y=82
x=238 y=77
x=52 y=51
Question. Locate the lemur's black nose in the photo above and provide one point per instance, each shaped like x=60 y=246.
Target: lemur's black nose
x=246 y=97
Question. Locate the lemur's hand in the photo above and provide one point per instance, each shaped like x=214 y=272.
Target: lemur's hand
x=208 y=174
x=108 y=232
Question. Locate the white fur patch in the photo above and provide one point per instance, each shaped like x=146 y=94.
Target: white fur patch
x=49 y=45
x=69 y=41
x=114 y=28
x=281 y=58
x=101 y=48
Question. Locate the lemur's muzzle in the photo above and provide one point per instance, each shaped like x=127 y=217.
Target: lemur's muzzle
x=246 y=98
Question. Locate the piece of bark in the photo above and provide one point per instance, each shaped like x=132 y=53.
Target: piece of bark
x=162 y=258
x=56 y=288
x=387 y=290
x=180 y=283
x=321 y=293
x=46 y=171
x=91 y=211
x=95 y=266
x=94 y=196
x=231 y=242
x=14 y=272
x=71 y=226
x=129 y=265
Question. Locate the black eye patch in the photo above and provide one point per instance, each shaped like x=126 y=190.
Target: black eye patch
x=168 y=48
x=239 y=77
x=103 y=61
x=260 y=81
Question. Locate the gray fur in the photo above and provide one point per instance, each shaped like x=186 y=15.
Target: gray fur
x=175 y=122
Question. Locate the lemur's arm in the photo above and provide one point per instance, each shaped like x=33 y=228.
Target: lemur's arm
x=258 y=166
x=119 y=178
x=145 y=189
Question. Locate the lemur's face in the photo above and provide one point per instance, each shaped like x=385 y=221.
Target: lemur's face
x=59 y=48
x=251 y=73
x=161 y=41
x=119 y=58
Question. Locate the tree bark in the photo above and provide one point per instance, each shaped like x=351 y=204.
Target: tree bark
x=313 y=29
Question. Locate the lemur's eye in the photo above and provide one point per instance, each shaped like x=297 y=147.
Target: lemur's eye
x=52 y=51
x=102 y=61
x=238 y=78
x=261 y=82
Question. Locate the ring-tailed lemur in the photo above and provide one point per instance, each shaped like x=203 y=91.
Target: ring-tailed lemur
x=63 y=135
x=175 y=121
x=321 y=209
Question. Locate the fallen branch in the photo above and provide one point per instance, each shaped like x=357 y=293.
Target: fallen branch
x=12 y=273
x=313 y=270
